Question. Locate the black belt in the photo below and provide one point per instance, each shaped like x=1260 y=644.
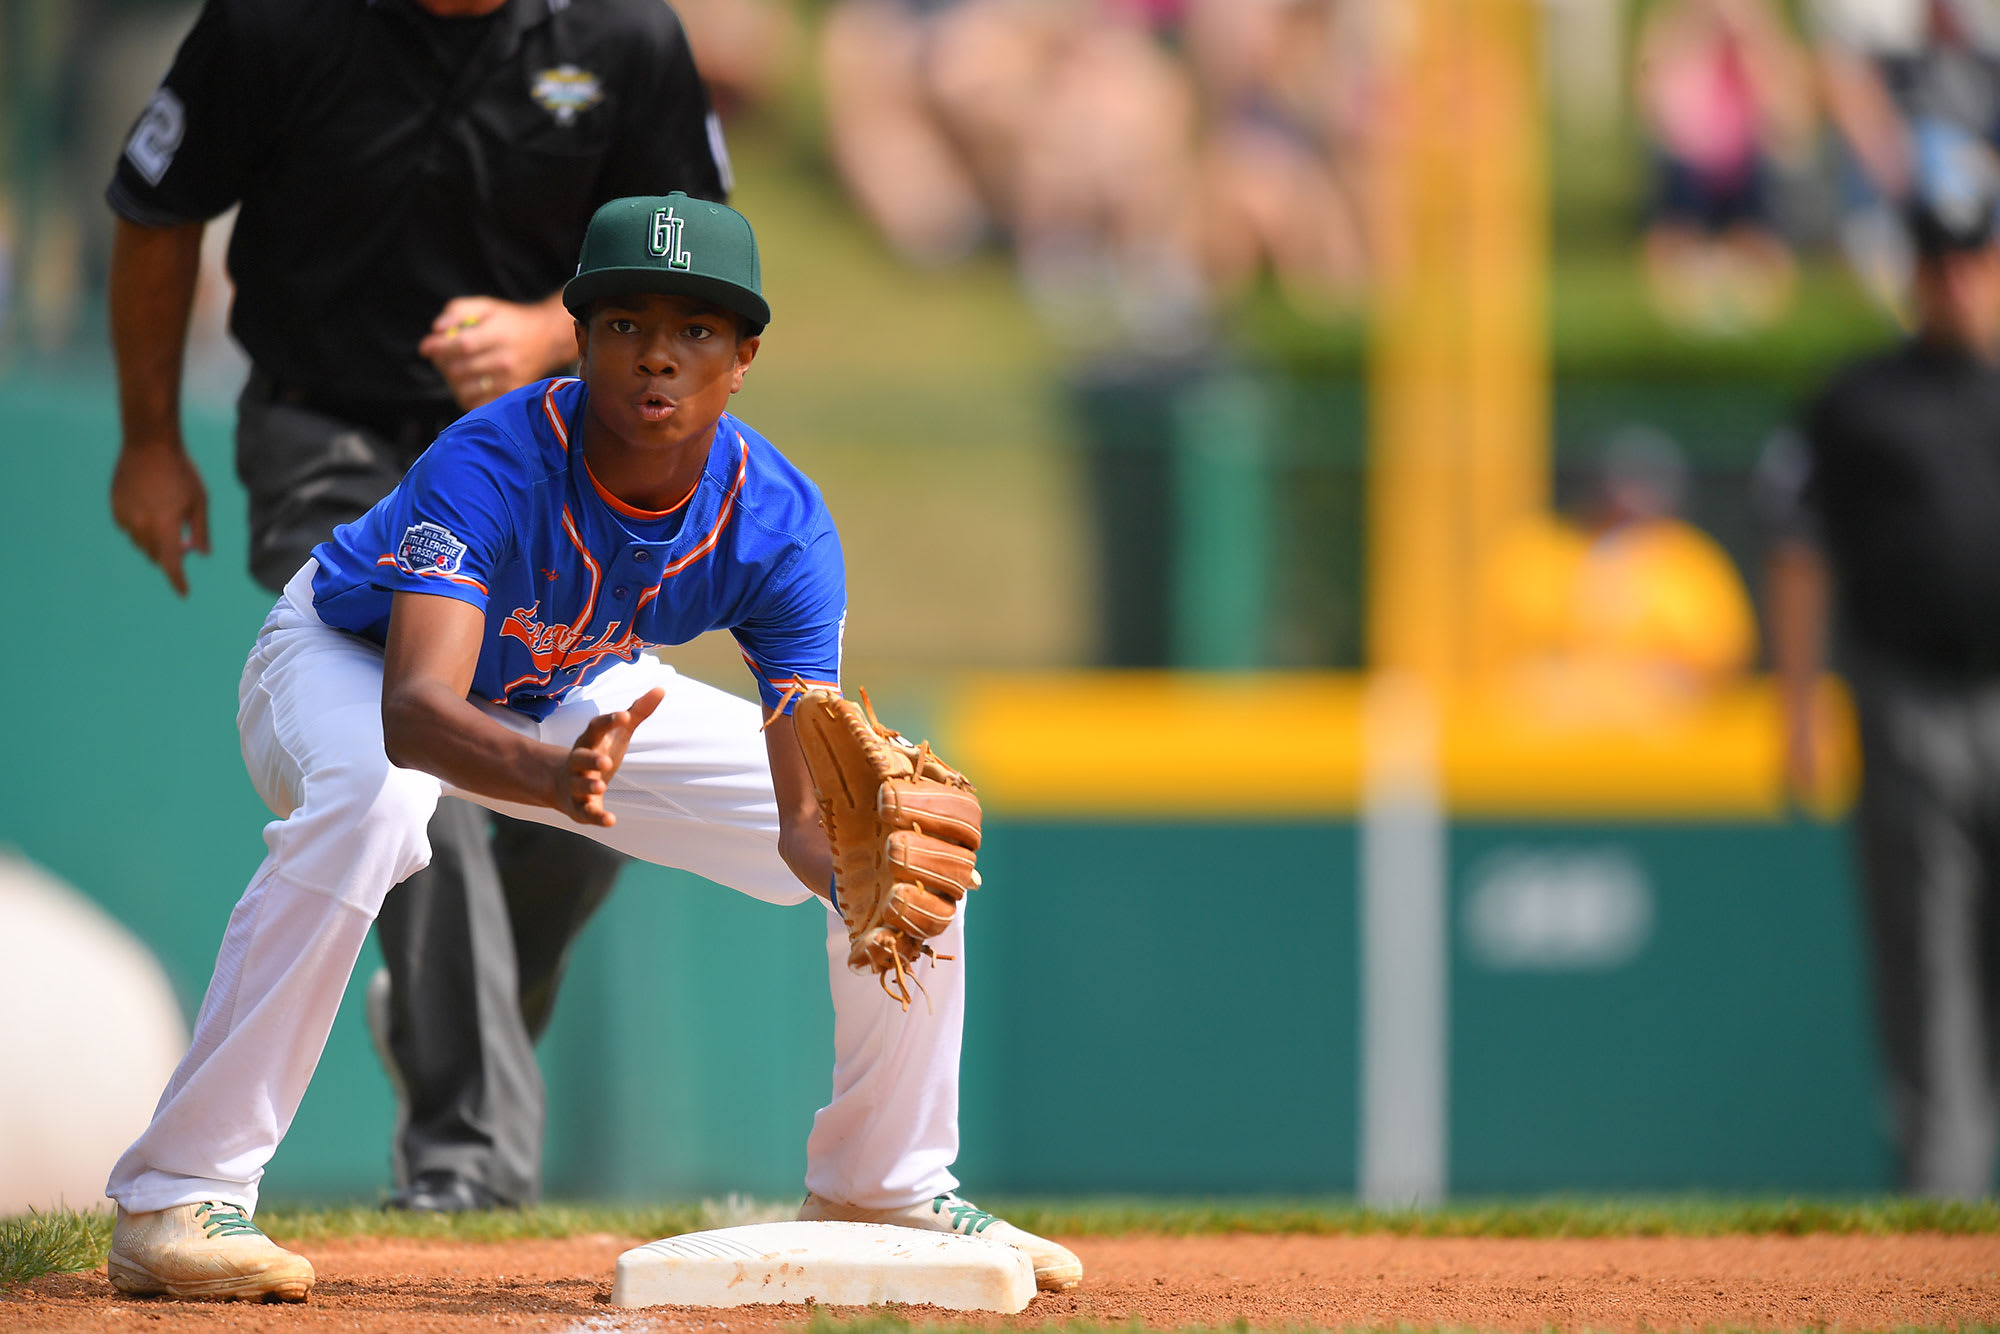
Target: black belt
x=409 y=424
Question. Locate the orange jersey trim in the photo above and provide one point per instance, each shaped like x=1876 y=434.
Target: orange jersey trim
x=722 y=517
x=794 y=680
x=556 y=422
x=633 y=511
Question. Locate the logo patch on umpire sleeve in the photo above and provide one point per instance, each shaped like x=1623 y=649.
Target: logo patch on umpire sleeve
x=566 y=92
x=429 y=548
x=157 y=136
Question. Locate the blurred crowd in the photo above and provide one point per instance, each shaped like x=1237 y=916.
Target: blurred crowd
x=1145 y=162
x=1745 y=113
x=1145 y=159
x=1142 y=158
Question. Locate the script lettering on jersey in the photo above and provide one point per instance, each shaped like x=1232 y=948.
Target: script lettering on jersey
x=666 y=239
x=560 y=647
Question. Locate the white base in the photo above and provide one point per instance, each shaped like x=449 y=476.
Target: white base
x=837 y=1264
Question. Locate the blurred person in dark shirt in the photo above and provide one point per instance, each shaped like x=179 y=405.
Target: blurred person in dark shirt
x=1889 y=507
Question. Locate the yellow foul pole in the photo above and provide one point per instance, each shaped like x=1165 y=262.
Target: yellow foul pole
x=1458 y=404
x=1459 y=382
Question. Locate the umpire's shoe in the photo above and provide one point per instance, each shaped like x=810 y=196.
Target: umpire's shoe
x=210 y=1249
x=1055 y=1268
x=443 y=1192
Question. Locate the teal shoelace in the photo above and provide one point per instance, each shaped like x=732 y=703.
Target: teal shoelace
x=965 y=1217
x=224 y=1220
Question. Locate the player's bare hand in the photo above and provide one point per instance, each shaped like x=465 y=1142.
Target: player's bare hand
x=158 y=499
x=595 y=758
x=485 y=347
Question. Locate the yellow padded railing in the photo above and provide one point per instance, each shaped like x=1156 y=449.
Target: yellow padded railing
x=1158 y=745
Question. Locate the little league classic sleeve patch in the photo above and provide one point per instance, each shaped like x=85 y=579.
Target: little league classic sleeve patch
x=429 y=548
x=566 y=92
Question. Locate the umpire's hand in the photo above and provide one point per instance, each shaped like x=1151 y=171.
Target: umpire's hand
x=484 y=346
x=158 y=499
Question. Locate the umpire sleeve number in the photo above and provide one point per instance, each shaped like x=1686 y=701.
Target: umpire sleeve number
x=157 y=136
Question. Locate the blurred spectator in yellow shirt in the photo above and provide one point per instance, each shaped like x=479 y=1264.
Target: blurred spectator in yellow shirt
x=1633 y=609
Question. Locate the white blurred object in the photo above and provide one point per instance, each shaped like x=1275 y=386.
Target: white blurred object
x=1559 y=911
x=1405 y=1133
x=840 y=1264
x=95 y=1032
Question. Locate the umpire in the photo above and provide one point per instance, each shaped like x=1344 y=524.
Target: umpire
x=1897 y=523
x=413 y=179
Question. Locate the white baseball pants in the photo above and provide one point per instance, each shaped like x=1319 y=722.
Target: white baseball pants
x=694 y=792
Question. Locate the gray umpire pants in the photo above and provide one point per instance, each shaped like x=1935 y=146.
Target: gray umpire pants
x=476 y=943
x=1930 y=854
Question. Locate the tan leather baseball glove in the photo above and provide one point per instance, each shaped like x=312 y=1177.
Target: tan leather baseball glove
x=904 y=826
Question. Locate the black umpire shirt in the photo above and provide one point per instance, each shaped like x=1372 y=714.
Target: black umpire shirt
x=386 y=161
x=1904 y=483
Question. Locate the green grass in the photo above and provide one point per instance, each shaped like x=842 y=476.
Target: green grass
x=63 y=1241
x=547 y=1220
x=1602 y=325
x=1552 y=1217
x=33 y=1244
x=1688 y=1216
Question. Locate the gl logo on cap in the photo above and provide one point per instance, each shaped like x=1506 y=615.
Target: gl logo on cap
x=666 y=239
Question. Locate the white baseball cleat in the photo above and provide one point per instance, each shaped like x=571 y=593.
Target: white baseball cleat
x=209 y=1249
x=1056 y=1269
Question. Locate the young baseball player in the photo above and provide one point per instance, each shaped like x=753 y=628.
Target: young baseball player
x=483 y=632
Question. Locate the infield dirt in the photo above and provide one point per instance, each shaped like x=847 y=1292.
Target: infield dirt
x=1629 y=1284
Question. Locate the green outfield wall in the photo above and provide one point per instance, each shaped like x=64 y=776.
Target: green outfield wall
x=1154 y=1006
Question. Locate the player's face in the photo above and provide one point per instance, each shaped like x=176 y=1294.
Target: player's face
x=661 y=368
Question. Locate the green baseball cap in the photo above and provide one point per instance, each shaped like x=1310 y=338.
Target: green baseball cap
x=670 y=243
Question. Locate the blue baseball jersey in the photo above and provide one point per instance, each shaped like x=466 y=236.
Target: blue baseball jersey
x=502 y=512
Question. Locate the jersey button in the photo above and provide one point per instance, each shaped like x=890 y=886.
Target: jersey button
x=620 y=592
x=642 y=555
